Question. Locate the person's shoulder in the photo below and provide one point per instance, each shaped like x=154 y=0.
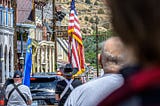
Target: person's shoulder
x=9 y=86
x=61 y=82
x=77 y=80
x=23 y=86
x=80 y=89
x=109 y=77
x=85 y=89
x=87 y=85
x=128 y=71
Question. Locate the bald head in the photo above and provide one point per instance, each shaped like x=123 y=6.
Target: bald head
x=114 y=46
x=113 y=55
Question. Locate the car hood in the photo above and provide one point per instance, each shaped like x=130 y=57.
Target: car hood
x=40 y=93
x=43 y=90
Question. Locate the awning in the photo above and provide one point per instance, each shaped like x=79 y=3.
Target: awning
x=26 y=25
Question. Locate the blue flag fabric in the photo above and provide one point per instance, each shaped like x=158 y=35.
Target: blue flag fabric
x=73 y=7
x=28 y=63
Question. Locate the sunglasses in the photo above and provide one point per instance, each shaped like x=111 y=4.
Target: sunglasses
x=17 y=76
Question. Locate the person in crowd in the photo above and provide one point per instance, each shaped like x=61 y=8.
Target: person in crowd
x=137 y=23
x=16 y=93
x=65 y=87
x=113 y=57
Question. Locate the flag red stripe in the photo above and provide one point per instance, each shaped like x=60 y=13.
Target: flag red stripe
x=74 y=55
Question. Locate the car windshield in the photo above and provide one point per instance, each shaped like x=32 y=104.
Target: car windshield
x=43 y=83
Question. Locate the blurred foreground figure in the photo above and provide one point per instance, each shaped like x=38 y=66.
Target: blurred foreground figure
x=65 y=87
x=18 y=94
x=113 y=57
x=137 y=23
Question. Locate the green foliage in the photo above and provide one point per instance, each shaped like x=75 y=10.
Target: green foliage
x=97 y=20
x=68 y=3
x=86 y=18
x=90 y=57
x=96 y=3
x=110 y=33
x=93 y=27
x=88 y=1
x=90 y=49
x=100 y=11
x=84 y=30
x=89 y=10
x=106 y=25
x=91 y=20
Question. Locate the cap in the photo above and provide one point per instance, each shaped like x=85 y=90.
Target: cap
x=17 y=74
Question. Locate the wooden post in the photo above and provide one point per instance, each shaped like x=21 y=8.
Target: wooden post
x=14 y=5
x=54 y=34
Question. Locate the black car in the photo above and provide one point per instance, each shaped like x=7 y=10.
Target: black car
x=3 y=100
x=43 y=89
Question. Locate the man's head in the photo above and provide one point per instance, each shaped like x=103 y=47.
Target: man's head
x=17 y=76
x=114 y=55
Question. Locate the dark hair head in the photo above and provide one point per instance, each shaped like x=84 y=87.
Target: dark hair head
x=137 y=23
x=17 y=74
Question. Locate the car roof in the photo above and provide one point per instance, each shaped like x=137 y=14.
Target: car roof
x=47 y=76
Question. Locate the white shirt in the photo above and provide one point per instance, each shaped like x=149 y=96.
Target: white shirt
x=15 y=99
x=92 y=92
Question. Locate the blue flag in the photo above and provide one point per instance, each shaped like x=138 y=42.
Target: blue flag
x=28 y=63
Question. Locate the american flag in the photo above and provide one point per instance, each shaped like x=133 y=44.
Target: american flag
x=76 y=49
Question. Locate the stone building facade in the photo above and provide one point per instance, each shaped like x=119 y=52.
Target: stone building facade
x=6 y=40
x=44 y=50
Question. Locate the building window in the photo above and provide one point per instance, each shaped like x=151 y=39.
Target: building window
x=4 y=17
x=10 y=62
x=18 y=36
x=0 y=17
x=5 y=61
x=9 y=19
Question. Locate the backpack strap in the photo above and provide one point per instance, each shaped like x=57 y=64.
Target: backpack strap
x=12 y=91
x=20 y=93
x=69 y=85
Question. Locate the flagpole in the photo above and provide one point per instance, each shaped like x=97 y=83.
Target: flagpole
x=97 y=45
x=71 y=49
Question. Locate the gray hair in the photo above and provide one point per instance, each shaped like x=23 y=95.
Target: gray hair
x=109 y=60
